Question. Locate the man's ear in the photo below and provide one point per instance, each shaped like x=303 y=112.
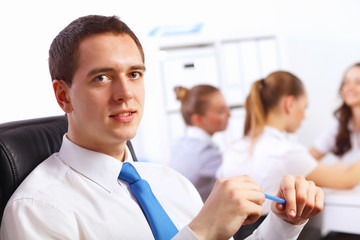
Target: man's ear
x=61 y=90
x=289 y=103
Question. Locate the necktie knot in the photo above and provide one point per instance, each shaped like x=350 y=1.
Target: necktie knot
x=128 y=173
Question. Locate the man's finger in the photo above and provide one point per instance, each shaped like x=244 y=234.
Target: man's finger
x=301 y=186
x=287 y=189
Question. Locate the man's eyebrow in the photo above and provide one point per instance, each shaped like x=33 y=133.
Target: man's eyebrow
x=99 y=70
x=138 y=67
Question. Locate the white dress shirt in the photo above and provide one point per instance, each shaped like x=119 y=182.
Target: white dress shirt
x=325 y=143
x=76 y=194
x=273 y=156
x=196 y=156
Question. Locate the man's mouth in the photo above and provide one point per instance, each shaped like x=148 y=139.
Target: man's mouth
x=121 y=114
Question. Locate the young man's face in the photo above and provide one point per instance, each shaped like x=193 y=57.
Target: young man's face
x=106 y=98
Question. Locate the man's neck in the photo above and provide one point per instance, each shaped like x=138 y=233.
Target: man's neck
x=116 y=150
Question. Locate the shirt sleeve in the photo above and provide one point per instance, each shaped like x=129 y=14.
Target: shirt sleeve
x=31 y=219
x=274 y=228
x=185 y=234
x=325 y=142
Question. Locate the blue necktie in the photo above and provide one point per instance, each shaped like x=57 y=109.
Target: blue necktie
x=161 y=225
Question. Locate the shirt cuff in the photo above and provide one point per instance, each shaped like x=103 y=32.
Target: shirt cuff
x=275 y=228
x=185 y=234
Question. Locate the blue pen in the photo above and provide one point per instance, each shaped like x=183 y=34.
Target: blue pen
x=276 y=199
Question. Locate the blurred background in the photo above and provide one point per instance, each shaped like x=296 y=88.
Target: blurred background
x=227 y=43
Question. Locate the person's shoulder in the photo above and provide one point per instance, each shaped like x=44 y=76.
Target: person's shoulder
x=239 y=145
x=44 y=176
x=187 y=144
x=272 y=144
x=189 y=148
x=189 y=141
x=294 y=146
x=332 y=125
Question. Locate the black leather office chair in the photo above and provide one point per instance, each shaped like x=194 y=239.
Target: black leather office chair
x=24 y=145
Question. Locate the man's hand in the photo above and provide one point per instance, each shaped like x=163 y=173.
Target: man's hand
x=303 y=200
x=232 y=203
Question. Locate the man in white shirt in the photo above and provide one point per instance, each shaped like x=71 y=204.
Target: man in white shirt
x=97 y=67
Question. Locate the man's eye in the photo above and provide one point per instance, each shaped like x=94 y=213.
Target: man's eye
x=102 y=78
x=135 y=75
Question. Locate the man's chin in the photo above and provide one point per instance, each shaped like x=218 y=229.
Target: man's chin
x=126 y=136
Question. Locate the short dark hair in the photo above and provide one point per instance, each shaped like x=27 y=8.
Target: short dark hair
x=63 y=51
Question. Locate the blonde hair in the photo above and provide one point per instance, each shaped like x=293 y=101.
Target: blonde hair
x=264 y=95
x=194 y=100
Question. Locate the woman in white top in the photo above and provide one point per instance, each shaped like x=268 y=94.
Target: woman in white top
x=343 y=138
x=276 y=106
x=195 y=155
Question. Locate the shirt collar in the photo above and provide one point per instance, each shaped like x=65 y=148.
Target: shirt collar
x=98 y=167
x=198 y=133
x=275 y=132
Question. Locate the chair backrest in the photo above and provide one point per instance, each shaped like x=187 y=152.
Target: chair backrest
x=24 y=145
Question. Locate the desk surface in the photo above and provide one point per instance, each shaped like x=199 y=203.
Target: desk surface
x=341 y=211
x=342 y=197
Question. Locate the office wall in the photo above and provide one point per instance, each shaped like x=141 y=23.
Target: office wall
x=318 y=40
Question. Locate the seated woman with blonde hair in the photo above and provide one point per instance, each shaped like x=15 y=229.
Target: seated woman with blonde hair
x=195 y=155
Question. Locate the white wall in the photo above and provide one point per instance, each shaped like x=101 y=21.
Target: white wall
x=318 y=40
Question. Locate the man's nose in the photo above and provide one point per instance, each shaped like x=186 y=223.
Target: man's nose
x=121 y=90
